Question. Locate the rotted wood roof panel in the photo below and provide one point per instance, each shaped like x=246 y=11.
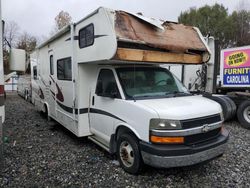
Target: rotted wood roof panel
x=170 y=37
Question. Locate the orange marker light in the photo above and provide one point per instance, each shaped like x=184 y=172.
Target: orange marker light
x=167 y=140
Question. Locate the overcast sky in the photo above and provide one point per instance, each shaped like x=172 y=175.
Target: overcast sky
x=37 y=16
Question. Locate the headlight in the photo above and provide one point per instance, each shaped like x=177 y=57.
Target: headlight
x=164 y=124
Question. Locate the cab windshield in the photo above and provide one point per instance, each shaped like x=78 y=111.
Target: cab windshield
x=149 y=82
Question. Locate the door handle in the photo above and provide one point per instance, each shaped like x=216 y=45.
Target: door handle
x=93 y=101
x=49 y=82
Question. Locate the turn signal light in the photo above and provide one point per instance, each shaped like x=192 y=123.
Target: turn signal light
x=167 y=140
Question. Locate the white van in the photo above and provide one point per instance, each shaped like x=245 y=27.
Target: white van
x=101 y=78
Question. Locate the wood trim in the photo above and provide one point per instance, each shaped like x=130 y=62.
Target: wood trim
x=127 y=54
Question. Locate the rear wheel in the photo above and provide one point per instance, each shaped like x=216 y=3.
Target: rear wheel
x=26 y=95
x=243 y=114
x=46 y=112
x=129 y=155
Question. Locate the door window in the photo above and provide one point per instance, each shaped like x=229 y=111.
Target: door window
x=35 y=72
x=51 y=64
x=106 y=84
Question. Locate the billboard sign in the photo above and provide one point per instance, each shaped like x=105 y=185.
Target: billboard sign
x=235 y=67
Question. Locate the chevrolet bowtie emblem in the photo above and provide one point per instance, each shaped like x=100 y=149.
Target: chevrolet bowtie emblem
x=206 y=128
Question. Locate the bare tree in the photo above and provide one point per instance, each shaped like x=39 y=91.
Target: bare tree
x=11 y=33
x=26 y=42
x=62 y=19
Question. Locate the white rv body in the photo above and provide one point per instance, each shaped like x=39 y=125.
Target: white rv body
x=65 y=80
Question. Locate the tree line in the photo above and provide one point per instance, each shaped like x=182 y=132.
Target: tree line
x=231 y=30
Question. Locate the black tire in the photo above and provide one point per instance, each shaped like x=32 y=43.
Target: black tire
x=129 y=141
x=26 y=96
x=226 y=107
x=46 y=113
x=242 y=114
x=233 y=107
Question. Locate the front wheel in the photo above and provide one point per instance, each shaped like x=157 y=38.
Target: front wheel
x=243 y=114
x=26 y=96
x=129 y=155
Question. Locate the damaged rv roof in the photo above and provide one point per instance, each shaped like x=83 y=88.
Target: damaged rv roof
x=158 y=34
x=161 y=36
x=134 y=31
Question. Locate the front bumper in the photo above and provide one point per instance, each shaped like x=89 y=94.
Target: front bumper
x=167 y=156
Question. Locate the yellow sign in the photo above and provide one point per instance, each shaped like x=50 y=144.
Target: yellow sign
x=237 y=58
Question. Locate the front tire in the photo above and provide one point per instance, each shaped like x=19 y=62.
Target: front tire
x=46 y=113
x=129 y=154
x=26 y=96
x=243 y=114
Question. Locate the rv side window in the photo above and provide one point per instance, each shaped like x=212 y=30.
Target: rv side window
x=64 y=71
x=51 y=65
x=35 y=73
x=86 y=36
x=106 y=84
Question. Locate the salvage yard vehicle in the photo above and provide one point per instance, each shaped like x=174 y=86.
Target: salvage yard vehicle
x=101 y=78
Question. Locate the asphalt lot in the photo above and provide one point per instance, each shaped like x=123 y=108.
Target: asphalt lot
x=42 y=154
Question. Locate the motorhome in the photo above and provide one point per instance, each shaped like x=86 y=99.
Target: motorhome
x=101 y=78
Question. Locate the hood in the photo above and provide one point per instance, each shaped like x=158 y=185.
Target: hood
x=180 y=108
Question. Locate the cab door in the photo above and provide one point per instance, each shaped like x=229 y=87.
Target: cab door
x=103 y=108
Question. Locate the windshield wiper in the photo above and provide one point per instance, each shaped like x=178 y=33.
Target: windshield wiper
x=133 y=98
x=178 y=93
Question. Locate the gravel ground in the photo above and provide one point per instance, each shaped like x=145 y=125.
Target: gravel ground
x=42 y=154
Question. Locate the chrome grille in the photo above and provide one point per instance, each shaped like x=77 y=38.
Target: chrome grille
x=197 y=122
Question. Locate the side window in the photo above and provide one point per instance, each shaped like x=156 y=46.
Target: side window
x=35 y=72
x=86 y=36
x=51 y=62
x=64 y=71
x=106 y=84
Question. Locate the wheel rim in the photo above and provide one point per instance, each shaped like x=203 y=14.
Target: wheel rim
x=246 y=114
x=127 y=154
